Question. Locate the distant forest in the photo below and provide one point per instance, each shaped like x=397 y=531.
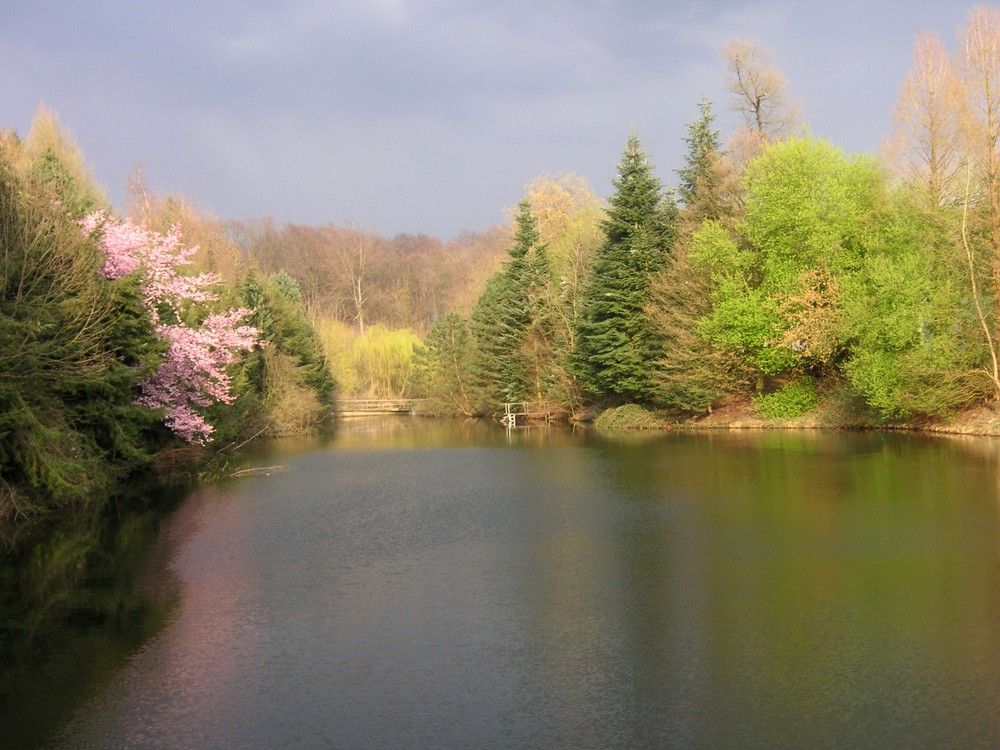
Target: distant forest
x=359 y=277
x=780 y=274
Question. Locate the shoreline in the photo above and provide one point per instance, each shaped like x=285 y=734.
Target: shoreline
x=980 y=421
x=739 y=414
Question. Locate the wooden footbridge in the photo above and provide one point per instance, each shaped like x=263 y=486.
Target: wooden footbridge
x=514 y=414
x=357 y=407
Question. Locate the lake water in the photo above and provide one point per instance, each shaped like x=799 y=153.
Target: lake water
x=426 y=584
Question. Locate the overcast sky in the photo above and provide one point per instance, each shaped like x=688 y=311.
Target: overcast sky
x=426 y=115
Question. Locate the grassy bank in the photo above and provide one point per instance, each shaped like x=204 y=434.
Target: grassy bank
x=830 y=414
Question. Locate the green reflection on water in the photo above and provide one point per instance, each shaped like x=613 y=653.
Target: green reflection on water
x=693 y=590
x=825 y=580
x=78 y=596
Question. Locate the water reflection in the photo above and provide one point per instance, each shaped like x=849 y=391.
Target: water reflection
x=415 y=583
x=78 y=597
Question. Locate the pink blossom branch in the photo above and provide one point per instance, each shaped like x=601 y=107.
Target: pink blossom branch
x=192 y=375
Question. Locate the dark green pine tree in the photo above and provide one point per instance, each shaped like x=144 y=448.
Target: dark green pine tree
x=615 y=345
x=504 y=313
x=73 y=347
x=290 y=330
x=702 y=176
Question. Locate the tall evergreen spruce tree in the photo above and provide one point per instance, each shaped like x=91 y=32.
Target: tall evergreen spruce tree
x=693 y=373
x=505 y=312
x=702 y=177
x=615 y=345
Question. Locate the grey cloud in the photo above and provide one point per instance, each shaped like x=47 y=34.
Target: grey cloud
x=411 y=115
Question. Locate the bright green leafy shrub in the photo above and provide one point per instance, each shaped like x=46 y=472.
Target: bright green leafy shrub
x=791 y=400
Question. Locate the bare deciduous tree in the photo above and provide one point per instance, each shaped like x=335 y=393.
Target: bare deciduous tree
x=930 y=112
x=979 y=60
x=760 y=95
x=352 y=250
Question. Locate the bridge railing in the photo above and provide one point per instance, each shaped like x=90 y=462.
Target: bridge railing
x=377 y=405
x=534 y=411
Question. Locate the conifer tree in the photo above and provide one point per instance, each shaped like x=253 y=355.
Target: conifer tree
x=504 y=313
x=703 y=175
x=52 y=154
x=285 y=387
x=444 y=364
x=615 y=345
x=693 y=373
x=72 y=350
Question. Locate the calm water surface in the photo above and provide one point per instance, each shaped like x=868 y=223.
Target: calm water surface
x=420 y=584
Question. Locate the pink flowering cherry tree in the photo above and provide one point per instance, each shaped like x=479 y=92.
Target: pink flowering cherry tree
x=192 y=375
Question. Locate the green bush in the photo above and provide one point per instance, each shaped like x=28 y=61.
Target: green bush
x=628 y=417
x=792 y=399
